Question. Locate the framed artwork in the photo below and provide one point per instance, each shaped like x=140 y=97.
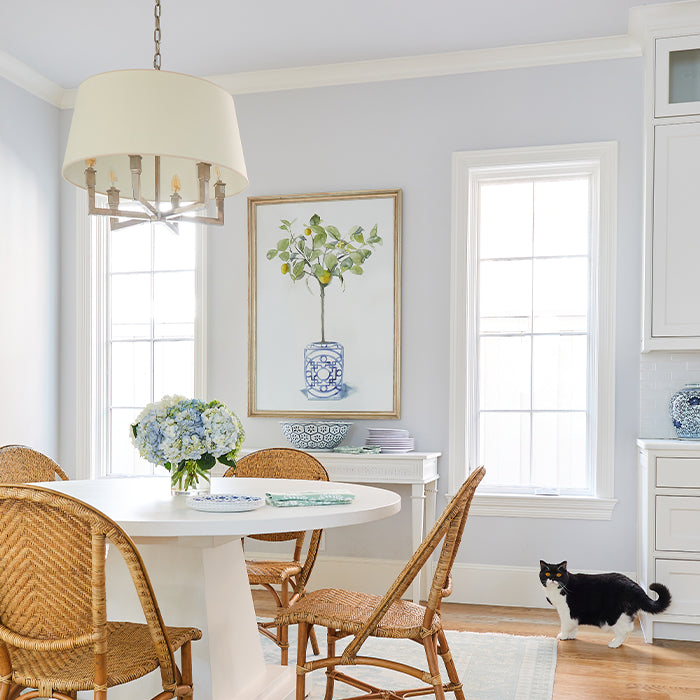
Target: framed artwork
x=325 y=305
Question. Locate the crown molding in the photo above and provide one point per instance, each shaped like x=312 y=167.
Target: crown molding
x=431 y=65
x=68 y=98
x=30 y=80
x=403 y=68
x=647 y=22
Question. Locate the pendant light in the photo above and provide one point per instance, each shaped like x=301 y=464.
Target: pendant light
x=156 y=139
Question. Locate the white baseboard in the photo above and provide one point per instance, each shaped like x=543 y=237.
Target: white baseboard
x=481 y=584
x=471 y=583
x=488 y=584
x=354 y=573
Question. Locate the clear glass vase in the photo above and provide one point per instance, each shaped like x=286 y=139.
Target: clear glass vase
x=185 y=479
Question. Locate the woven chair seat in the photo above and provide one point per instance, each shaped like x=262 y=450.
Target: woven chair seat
x=271 y=571
x=130 y=655
x=348 y=611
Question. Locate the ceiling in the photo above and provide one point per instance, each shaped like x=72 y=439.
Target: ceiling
x=70 y=40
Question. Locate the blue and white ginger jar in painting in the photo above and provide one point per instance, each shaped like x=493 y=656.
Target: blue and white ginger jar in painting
x=685 y=412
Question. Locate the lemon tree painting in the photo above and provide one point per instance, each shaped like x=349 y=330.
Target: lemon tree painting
x=322 y=253
x=325 y=302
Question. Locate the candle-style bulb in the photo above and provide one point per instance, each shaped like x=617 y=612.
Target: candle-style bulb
x=218 y=173
x=90 y=162
x=112 y=177
x=175 y=184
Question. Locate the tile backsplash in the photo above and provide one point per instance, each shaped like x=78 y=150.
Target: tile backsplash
x=661 y=375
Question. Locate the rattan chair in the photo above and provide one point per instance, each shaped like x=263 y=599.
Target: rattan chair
x=361 y=615
x=283 y=463
x=23 y=465
x=55 y=638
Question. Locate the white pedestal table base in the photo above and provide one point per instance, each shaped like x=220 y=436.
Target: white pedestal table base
x=201 y=582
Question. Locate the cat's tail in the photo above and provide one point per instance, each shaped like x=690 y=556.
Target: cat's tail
x=661 y=603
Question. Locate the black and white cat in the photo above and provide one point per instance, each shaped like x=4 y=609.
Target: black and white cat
x=610 y=601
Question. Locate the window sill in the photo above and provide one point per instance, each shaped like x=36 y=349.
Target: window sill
x=530 y=506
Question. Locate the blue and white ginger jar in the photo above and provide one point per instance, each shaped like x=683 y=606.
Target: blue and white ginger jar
x=685 y=412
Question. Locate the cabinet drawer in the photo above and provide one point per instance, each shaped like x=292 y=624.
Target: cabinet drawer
x=678 y=472
x=678 y=523
x=683 y=580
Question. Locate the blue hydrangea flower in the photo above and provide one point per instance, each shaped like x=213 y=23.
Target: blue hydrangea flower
x=177 y=430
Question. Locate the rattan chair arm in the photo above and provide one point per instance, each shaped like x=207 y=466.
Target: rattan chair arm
x=447 y=589
x=59 y=644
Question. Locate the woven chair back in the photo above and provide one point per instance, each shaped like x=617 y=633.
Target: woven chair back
x=279 y=463
x=52 y=588
x=448 y=528
x=23 y=465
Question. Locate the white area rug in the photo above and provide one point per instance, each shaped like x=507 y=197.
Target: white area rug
x=491 y=666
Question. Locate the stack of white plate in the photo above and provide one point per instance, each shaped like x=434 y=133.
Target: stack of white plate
x=391 y=440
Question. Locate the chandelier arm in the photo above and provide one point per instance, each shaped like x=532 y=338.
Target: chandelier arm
x=147 y=205
x=115 y=224
x=216 y=220
x=173 y=227
x=180 y=210
x=119 y=212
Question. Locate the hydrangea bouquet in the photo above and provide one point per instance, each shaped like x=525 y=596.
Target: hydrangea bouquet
x=187 y=437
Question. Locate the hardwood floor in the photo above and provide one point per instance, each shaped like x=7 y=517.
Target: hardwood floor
x=587 y=669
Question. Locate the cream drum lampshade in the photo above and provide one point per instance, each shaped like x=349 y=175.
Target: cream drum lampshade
x=183 y=119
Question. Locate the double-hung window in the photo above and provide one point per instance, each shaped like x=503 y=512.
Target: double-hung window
x=532 y=331
x=145 y=333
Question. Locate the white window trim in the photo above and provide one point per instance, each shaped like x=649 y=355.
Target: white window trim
x=90 y=372
x=463 y=313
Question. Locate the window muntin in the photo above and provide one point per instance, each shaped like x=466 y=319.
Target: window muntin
x=533 y=328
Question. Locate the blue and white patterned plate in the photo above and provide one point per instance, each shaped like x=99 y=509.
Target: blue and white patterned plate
x=224 y=502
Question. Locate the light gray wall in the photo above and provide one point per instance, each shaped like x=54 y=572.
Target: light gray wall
x=402 y=134
x=29 y=270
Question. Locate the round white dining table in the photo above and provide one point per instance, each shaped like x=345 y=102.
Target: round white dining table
x=196 y=564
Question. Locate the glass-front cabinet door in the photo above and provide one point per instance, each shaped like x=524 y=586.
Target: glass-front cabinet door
x=677 y=76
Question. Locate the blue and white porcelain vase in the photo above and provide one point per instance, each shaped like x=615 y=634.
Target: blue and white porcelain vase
x=685 y=412
x=323 y=370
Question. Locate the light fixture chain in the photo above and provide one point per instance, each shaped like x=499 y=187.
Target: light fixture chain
x=156 y=36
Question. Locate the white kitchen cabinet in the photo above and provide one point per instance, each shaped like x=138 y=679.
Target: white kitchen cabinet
x=672 y=190
x=677 y=76
x=669 y=534
x=675 y=245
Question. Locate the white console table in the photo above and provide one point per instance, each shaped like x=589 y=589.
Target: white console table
x=419 y=469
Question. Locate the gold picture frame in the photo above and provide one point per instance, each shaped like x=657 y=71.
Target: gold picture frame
x=324 y=322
